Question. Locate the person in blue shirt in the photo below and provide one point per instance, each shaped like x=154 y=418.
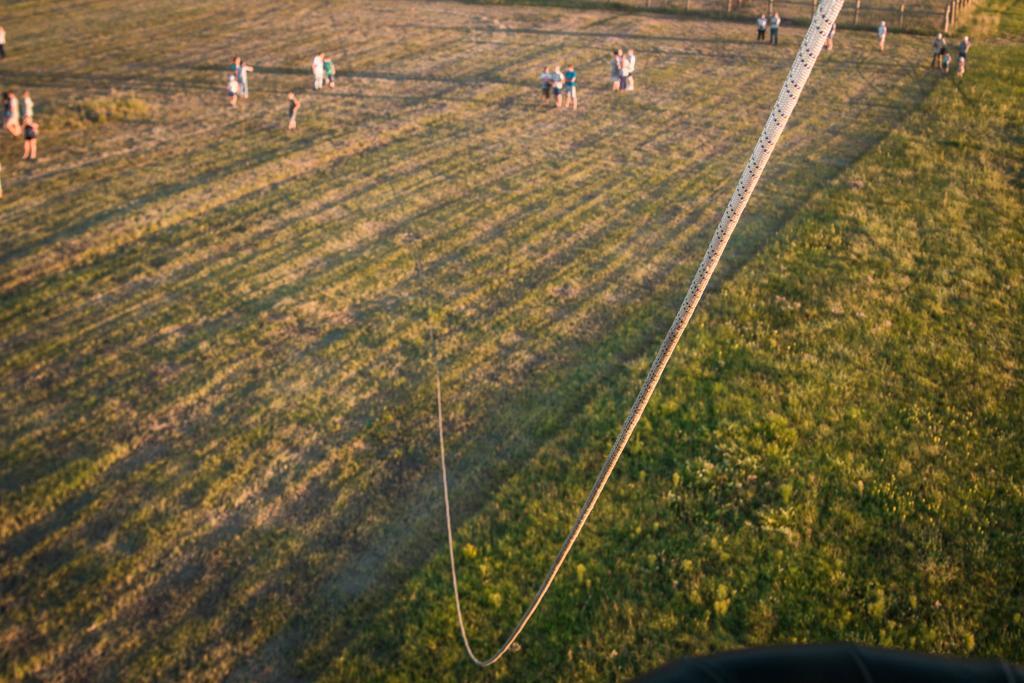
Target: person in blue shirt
x=569 y=90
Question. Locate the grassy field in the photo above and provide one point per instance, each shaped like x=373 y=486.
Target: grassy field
x=215 y=409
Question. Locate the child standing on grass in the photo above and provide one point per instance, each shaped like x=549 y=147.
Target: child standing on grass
x=232 y=90
x=961 y=65
x=329 y=71
x=3 y=46
x=629 y=66
x=243 y=79
x=830 y=38
x=776 y=22
x=31 y=137
x=762 y=26
x=938 y=45
x=28 y=105
x=616 y=69
x=964 y=46
x=12 y=114
x=293 y=110
x=570 y=87
x=883 y=31
x=944 y=60
x=318 y=71
x=557 y=82
x=545 y=83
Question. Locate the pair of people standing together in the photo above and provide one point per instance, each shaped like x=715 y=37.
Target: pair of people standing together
x=323 y=72
x=623 y=70
x=763 y=23
x=238 y=81
x=21 y=121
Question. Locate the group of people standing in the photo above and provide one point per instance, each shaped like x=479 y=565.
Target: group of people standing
x=19 y=115
x=559 y=86
x=623 y=70
x=238 y=81
x=323 y=71
x=941 y=59
x=763 y=24
x=19 y=119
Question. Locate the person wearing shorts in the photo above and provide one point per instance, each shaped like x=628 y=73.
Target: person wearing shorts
x=545 y=83
x=629 y=70
x=31 y=139
x=964 y=47
x=232 y=90
x=937 y=46
x=293 y=110
x=557 y=83
x=569 y=91
x=329 y=71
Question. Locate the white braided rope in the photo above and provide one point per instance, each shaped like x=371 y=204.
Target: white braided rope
x=803 y=64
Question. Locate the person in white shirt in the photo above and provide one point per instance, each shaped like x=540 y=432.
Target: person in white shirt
x=232 y=90
x=12 y=115
x=243 y=79
x=28 y=108
x=557 y=83
x=3 y=43
x=883 y=31
x=762 y=26
x=318 y=71
x=629 y=68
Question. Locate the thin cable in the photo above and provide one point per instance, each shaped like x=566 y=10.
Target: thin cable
x=822 y=22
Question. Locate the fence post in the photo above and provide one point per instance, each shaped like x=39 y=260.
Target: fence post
x=903 y=8
x=856 y=14
x=771 y=7
x=945 y=21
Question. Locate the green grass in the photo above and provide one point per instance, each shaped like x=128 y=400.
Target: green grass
x=835 y=453
x=215 y=410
